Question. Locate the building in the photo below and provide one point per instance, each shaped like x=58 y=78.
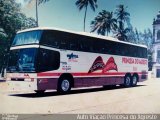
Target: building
x=156 y=46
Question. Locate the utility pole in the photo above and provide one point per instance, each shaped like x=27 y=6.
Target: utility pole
x=37 y=12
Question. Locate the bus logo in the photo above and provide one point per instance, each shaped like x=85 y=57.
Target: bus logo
x=98 y=64
x=26 y=75
x=110 y=65
x=72 y=57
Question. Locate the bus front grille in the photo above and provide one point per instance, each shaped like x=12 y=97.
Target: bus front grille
x=17 y=79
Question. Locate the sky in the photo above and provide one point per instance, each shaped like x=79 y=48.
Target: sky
x=64 y=14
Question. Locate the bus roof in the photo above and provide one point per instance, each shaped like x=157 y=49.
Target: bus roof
x=82 y=33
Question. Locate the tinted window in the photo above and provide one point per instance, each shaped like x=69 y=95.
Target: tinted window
x=22 y=60
x=50 y=38
x=31 y=37
x=48 y=60
x=70 y=41
x=84 y=44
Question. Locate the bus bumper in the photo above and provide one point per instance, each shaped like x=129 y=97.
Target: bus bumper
x=22 y=85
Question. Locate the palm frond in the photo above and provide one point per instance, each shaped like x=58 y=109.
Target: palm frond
x=42 y=1
x=104 y=22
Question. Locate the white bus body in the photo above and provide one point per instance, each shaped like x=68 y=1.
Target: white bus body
x=80 y=68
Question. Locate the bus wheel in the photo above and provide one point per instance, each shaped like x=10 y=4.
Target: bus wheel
x=64 y=85
x=40 y=91
x=127 y=80
x=134 y=80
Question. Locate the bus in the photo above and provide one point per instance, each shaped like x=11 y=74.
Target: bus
x=54 y=59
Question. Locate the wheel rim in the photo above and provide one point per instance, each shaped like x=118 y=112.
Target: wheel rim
x=65 y=85
x=134 y=80
x=128 y=81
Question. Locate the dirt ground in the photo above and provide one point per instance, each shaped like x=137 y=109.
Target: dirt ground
x=141 y=99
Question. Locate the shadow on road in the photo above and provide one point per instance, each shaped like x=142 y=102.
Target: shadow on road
x=78 y=91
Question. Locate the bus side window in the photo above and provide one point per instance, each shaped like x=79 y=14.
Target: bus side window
x=95 y=46
x=83 y=45
x=102 y=49
x=139 y=52
x=49 y=38
x=73 y=43
x=122 y=50
x=106 y=47
x=111 y=47
x=127 y=49
x=135 y=54
x=114 y=48
x=48 y=60
x=118 y=49
x=63 y=44
x=53 y=41
x=73 y=46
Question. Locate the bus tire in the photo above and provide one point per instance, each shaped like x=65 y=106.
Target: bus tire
x=127 y=80
x=39 y=92
x=134 y=80
x=64 y=85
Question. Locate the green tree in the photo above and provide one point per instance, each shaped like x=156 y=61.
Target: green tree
x=122 y=18
x=137 y=35
x=104 y=22
x=131 y=36
x=145 y=38
x=123 y=34
x=11 y=21
x=37 y=2
x=122 y=15
x=84 y=4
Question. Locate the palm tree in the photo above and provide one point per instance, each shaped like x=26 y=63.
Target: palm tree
x=84 y=4
x=122 y=34
x=104 y=22
x=122 y=15
x=38 y=2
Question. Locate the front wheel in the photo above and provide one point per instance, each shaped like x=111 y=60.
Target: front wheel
x=64 y=85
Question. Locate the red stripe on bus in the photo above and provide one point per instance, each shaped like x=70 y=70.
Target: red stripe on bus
x=86 y=74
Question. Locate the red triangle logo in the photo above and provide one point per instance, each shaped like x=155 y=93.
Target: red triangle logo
x=98 y=64
x=110 y=65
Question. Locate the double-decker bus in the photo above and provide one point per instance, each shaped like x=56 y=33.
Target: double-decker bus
x=52 y=59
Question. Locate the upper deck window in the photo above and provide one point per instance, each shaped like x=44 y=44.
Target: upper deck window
x=24 y=38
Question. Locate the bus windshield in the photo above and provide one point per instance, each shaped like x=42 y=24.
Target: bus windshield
x=22 y=60
x=24 y=38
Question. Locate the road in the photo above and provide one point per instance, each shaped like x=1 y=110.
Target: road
x=145 y=98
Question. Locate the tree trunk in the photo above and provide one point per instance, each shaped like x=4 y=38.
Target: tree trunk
x=85 y=18
x=37 y=12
